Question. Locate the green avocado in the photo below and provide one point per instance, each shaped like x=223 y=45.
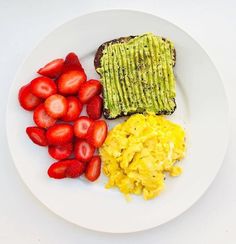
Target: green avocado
x=138 y=77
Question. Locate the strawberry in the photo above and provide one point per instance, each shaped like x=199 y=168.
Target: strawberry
x=94 y=108
x=59 y=134
x=41 y=118
x=89 y=89
x=58 y=169
x=27 y=100
x=43 y=87
x=76 y=169
x=93 y=169
x=60 y=152
x=74 y=109
x=56 y=106
x=83 y=150
x=97 y=133
x=81 y=126
x=70 y=82
x=72 y=63
x=37 y=135
x=53 y=69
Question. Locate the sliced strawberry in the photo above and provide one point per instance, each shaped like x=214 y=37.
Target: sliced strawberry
x=53 y=69
x=70 y=82
x=74 y=109
x=72 y=63
x=56 y=106
x=37 y=135
x=27 y=100
x=60 y=152
x=81 y=126
x=58 y=169
x=41 y=118
x=83 y=150
x=89 y=89
x=75 y=170
x=93 y=169
x=43 y=87
x=97 y=133
x=94 y=108
x=60 y=134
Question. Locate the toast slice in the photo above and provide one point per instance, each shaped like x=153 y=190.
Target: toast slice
x=137 y=75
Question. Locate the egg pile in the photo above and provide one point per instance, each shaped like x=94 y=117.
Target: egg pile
x=139 y=152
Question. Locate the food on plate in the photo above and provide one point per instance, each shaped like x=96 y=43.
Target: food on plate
x=43 y=87
x=137 y=75
x=57 y=98
x=94 y=108
x=37 y=135
x=139 y=152
x=93 y=169
x=53 y=69
x=27 y=100
x=89 y=89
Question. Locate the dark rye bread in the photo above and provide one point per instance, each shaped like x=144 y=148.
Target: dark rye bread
x=97 y=64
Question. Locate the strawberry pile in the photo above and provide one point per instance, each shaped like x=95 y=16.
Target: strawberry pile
x=57 y=98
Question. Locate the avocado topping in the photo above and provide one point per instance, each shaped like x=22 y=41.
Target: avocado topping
x=137 y=76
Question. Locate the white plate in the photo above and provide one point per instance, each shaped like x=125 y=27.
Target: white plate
x=202 y=110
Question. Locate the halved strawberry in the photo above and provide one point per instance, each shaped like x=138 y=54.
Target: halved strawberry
x=60 y=134
x=97 y=133
x=56 y=106
x=70 y=82
x=94 y=108
x=74 y=109
x=41 y=118
x=89 y=89
x=93 y=169
x=43 y=87
x=75 y=170
x=37 y=135
x=81 y=126
x=53 y=69
x=72 y=63
x=27 y=100
x=60 y=152
x=83 y=150
x=58 y=169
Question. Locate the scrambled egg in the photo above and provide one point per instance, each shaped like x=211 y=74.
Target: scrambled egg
x=138 y=152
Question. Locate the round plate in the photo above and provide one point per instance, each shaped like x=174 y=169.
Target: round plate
x=201 y=109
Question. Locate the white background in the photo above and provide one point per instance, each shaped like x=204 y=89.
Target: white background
x=212 y=220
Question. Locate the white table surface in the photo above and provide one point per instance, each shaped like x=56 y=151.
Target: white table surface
x=23 y=219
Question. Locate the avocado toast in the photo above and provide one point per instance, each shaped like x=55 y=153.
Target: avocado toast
x=137 y=75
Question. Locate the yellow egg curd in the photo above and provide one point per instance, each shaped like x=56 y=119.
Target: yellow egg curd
x=139 y=152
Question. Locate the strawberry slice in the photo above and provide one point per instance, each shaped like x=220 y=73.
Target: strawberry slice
x=58 y=169
x=89 y=89
x=53 y=69
x=94 y=108
x=72 y=63
x=74 y=109
x=75 y=170
x=41 y=118
x=60 y=134
x=27 y=100
x=97 y=133
x=60 y=152
x=37 y=135
x=81 y=126
x=93 y=169
x=56 y=106
x=43 y=87
x=83 y=150
x=70 y=82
